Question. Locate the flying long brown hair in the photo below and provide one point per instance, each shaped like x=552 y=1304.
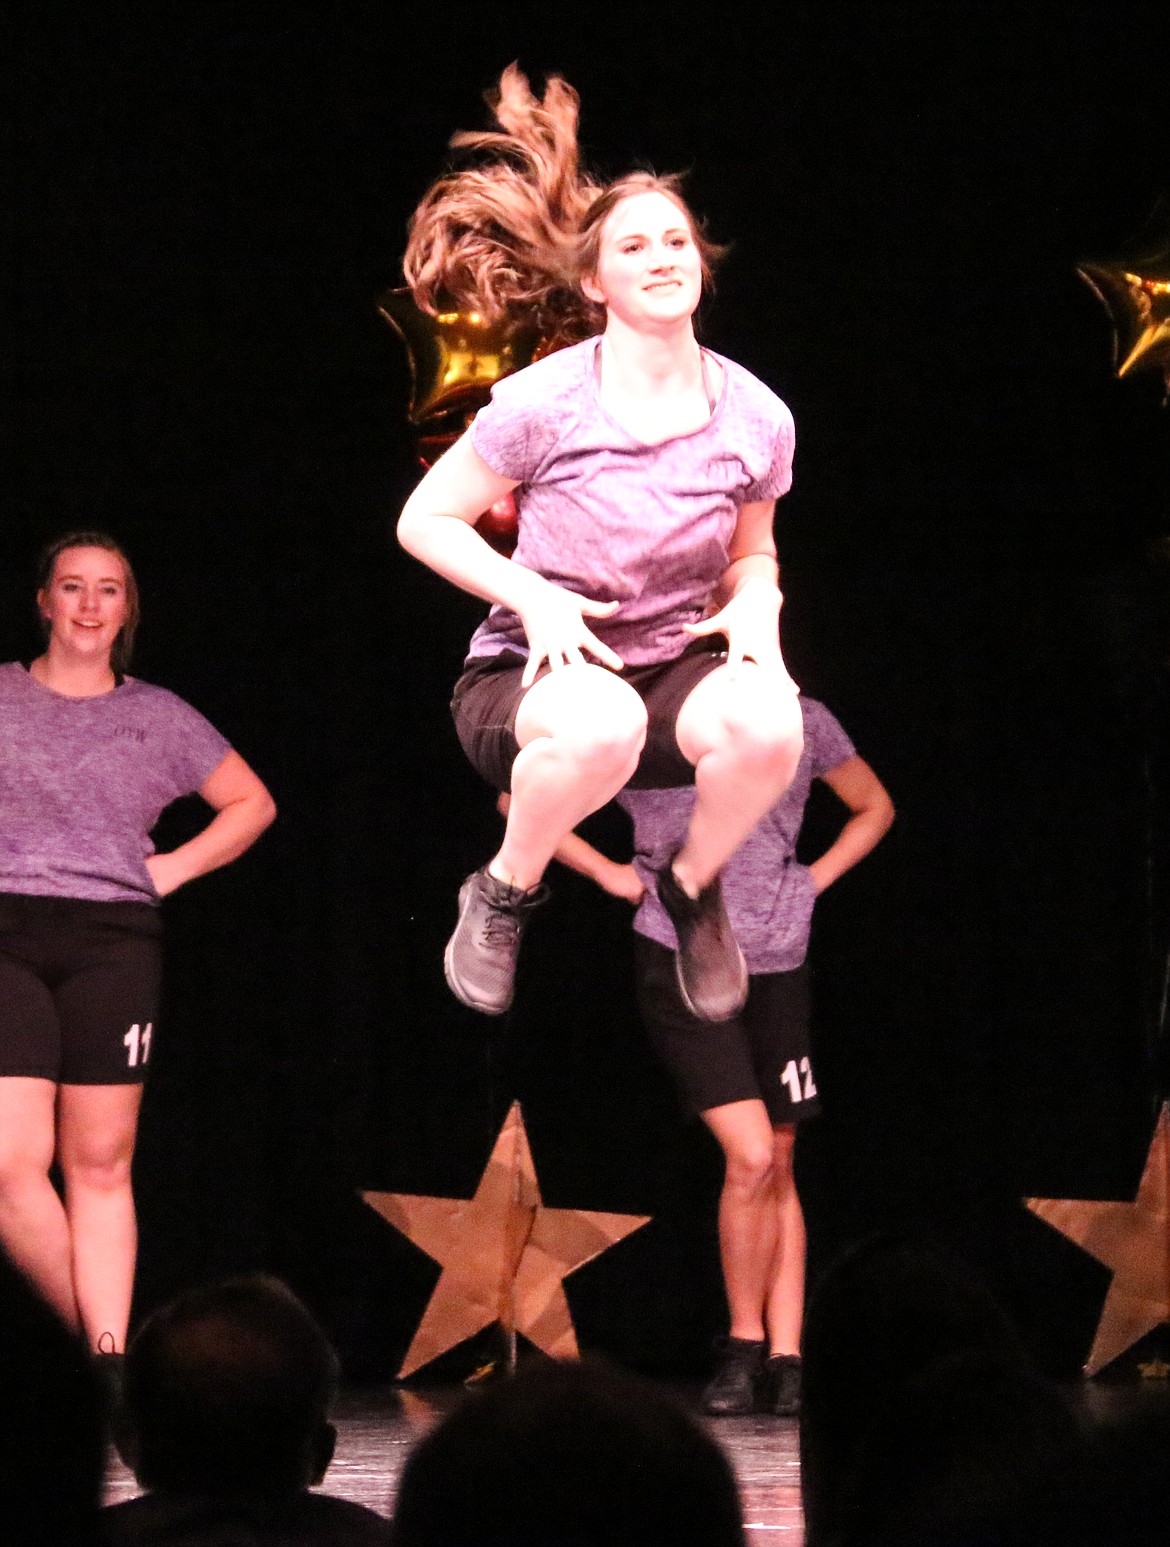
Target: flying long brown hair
x=514 y=231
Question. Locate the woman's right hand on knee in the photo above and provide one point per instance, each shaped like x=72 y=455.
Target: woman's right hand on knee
x=554 y=621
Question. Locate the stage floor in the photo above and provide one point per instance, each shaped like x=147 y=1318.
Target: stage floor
x=376 y=1428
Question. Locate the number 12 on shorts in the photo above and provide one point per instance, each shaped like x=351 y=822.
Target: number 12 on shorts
x=792 y=1078
x=137 y=1044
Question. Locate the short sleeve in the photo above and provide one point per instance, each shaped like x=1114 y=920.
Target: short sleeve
x=506 y=433
x=825 y=741
x=195 y=749
x=778 y=479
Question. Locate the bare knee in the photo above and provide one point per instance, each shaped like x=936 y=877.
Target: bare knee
x=608 y=749
x=26 y=1154
x=763 y=733
x=750 y=719
x=21 y=1168
x=750 y=1168
x=101 y=1169
x=586 y=717
x=28 y=1130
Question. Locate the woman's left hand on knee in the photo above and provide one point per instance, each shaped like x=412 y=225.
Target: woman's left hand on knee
x=751 y=622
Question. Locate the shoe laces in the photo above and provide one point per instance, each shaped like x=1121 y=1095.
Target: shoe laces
x=501 y=924
x=504 y=917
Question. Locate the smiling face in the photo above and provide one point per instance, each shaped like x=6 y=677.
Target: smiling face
x=649 y=272
x=85 y=601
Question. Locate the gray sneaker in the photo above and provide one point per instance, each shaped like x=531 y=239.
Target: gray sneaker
x=480 y=959
x=712 y=974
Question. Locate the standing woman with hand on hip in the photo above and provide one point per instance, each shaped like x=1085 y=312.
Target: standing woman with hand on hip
x=751 y=1078
x=89 y=758
x=645 y=471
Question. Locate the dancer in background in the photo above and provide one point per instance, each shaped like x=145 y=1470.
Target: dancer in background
x=750 y=1078
x=646 y=471
x=89 y=757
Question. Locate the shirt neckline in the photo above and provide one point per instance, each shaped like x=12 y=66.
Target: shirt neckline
x=120 y=681
x=593 y=365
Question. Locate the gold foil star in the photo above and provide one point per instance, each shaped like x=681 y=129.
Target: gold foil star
x=1137 y=299
x=505 y=1256
x=1131 y=1238
x=456 y=357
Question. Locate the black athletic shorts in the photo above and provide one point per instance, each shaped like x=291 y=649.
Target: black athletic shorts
x=762 y=1053
x=79 y=986
x=488 y=695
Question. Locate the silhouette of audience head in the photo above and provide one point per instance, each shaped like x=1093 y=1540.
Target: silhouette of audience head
x=571 y=1454
x=1132 y=1443
x=52 y=1448
x=227 y=1391
x=922 y=1418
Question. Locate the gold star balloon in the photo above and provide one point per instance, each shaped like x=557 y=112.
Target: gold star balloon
x=1137 y=298
x=456 y=358
x=1133 y=1239
x=505 y=1256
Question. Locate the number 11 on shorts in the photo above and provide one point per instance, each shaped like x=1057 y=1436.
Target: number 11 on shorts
x=137 y=1044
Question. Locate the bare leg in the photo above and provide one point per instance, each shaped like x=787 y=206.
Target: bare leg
x=743 y=732
x=784 y=1311
x=580 y=731
x=97 y=1126
x=33 y=1224
x=748 y=1218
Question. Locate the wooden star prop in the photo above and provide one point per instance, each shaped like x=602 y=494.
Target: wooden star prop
x=505 y=1256
x=1131 y=1238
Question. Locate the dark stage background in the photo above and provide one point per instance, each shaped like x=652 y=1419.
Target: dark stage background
x=201 y=211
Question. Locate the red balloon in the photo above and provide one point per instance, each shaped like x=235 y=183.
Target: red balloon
x=498 y=525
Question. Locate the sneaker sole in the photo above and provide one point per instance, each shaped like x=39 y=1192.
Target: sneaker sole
x=461 y=993
x=712 y=1020
x=464 y=996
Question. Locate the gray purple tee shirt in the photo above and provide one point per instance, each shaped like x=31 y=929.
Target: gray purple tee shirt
x=83 y=781
x=614 y=519
x=768 y=894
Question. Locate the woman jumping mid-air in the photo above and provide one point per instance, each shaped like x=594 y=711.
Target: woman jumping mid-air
x=646 y=470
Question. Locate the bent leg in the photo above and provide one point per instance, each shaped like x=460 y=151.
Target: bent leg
x=744 y=734
x=784 y=1311
x=580 y=730
x=748 y=1220
x=33 y=1223
x=97 y=1125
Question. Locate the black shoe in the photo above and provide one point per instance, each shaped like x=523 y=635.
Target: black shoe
x=782 y=1385
x=480 y=959
x=109 y=1366
x=712 y=974
x=734 y=1388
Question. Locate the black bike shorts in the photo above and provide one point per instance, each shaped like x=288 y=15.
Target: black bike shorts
x=762 y=1053
x=488 y=695
x=79 y=988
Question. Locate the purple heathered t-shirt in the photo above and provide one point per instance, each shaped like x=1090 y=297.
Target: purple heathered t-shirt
x=769 y=896
x=614 y=519
x=83 y=781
